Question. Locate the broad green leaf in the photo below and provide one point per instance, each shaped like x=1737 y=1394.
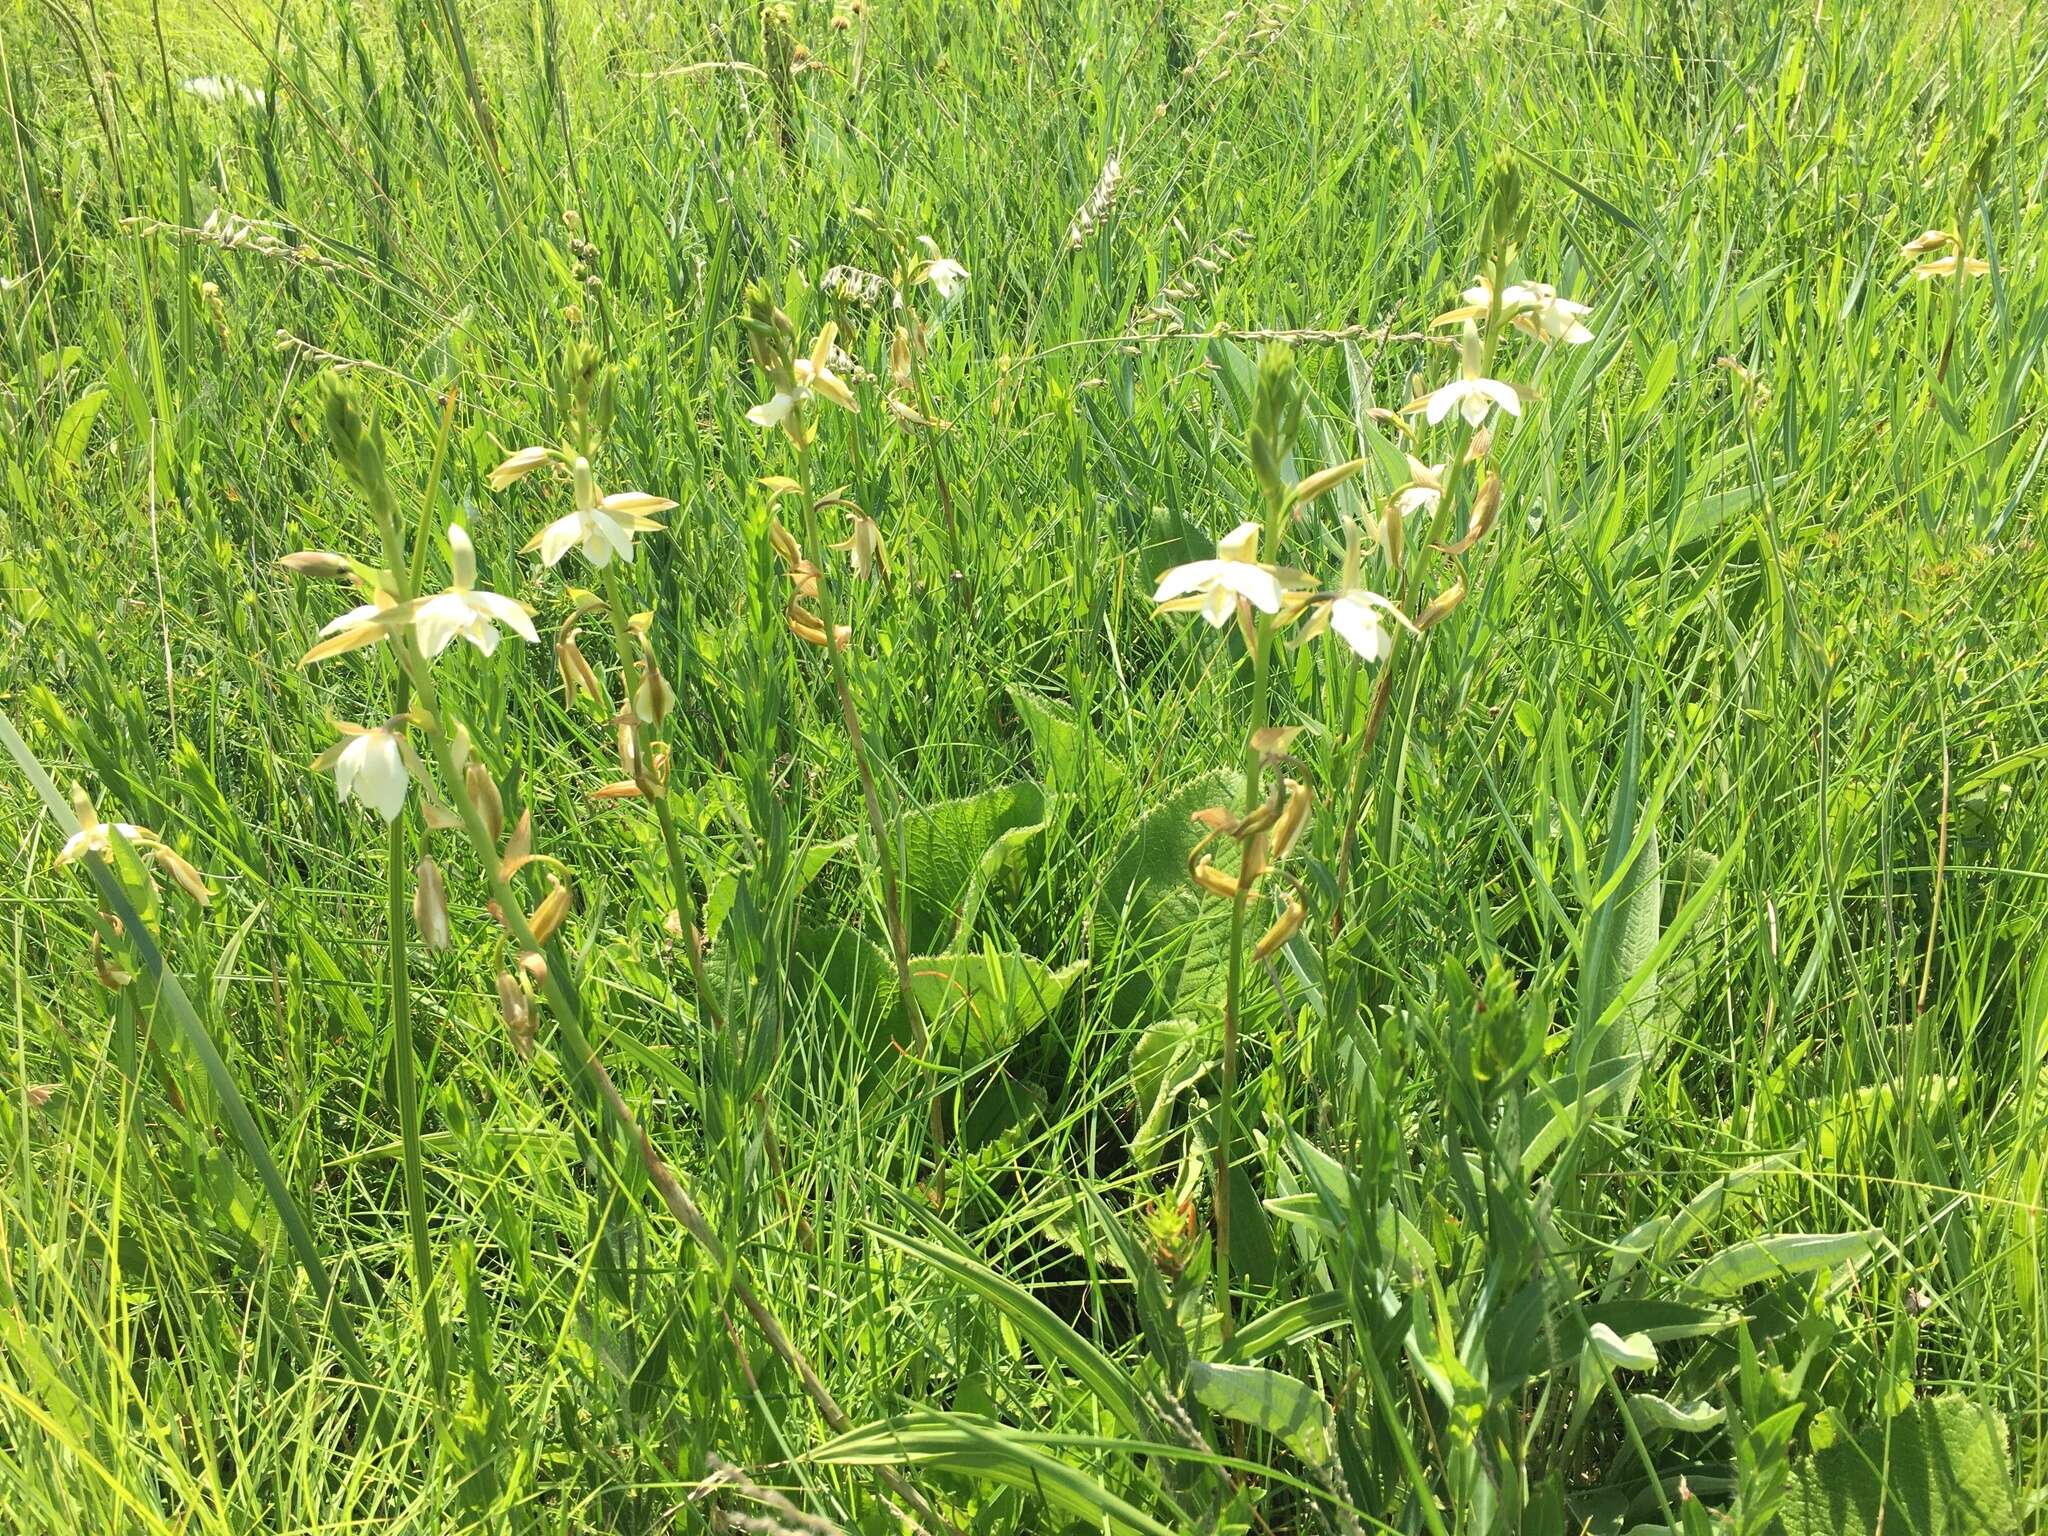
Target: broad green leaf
x=1170 y=1057
x=1758 y=1259
x=1061 y=749
x=1691 y=1418
x=847 y=972
x=1633 y=1352
x=1289 y=1323
x=1938 y=1469
x=74 y=427
x=1054 y=1340
x=977 y=1004
x=942 y=849
x=1267 y=1400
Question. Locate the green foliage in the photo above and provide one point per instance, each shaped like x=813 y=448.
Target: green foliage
x=1938 y=1468
x=1644 y=1128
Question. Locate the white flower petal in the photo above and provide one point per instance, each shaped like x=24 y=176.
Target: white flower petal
x=1254 y=583
x=1358 y=625
x=461 y=558
x=774 y=411
x=361 y=614
x=1241 y=543
x=612 y=537
x=439 y=620
x=511 y=614
x=559 y=537
x=1183 y=579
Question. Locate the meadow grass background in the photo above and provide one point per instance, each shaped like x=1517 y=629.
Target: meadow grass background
x=1798 y=617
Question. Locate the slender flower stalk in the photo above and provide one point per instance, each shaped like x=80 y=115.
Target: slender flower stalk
x=771 y=338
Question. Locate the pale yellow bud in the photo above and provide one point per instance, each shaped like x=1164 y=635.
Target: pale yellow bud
x=483 y=794
x=430 y=904
x=517 y=1009
x=548 y=916
x=318 y=562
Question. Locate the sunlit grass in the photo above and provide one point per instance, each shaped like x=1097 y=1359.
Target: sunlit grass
x=1749 y=658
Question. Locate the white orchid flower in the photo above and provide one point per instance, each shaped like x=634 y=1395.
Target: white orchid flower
x=812 y=376
x=97 y=837
x=1213 y=588
x=940 y=270
x=369 y=766
x=465 y=612
x=1472 y=395
x=602 y=526
x=1357 y=615
x=1536 y=308
x=1425 y=487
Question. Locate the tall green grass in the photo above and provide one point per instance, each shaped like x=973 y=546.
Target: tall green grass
x=1738 y=737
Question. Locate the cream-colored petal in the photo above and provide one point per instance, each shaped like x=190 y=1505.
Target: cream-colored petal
x=461 y=558
x=1195 y=576
x=439 y=620
x=1254 y=583
x=1358 y=625
x=560 y=536
x=1241 y=543
x=773 y=411
x=515 y=616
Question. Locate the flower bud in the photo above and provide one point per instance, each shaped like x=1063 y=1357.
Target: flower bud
x=1284 y=928
x=517 y=1010
x=111 y=976
x=482 y=790
x=189 y=879
x=578 y=677
x=1214 y=880
x=430 y=904
x=1440 y=608
x=1325 y=480
x=653 y=699
x=517 y=467
x=1293 y=818
x=318 y=562
x=586 y=484
x=547 y=918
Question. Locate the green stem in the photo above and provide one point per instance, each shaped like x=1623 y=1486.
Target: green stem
x=404 y=1050
x=871 y=795
x=682 y=886
x=405 y=1063
x=1226 y=1133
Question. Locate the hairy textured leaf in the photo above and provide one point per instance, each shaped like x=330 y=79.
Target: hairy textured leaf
x=977 y=1004
x=1938 y=1469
